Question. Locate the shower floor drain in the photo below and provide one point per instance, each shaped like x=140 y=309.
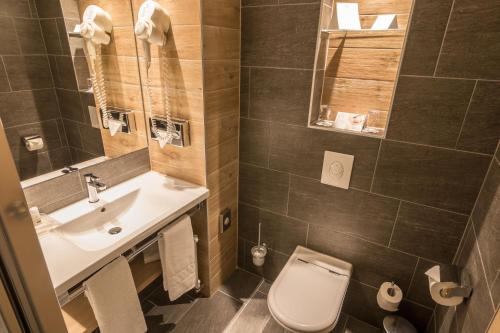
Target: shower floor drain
x=114 y=231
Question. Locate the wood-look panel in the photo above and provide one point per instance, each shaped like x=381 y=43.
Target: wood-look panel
x=358 y=96
x=383 y=6
x=368 y=39
x=221 y=62
x=185 y=12
x=369 y=64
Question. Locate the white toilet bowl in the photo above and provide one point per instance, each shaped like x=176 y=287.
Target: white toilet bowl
x=308 y=294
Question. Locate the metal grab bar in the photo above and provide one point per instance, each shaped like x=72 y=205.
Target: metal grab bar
x=73 y=293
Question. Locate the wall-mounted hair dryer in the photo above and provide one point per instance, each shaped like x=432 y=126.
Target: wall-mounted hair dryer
x=95 y=30
x=152 y=26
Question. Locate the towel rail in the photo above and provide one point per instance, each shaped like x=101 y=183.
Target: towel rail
x=130 y=254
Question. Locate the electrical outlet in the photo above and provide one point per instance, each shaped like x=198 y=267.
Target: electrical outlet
x=337 y=169
x=224 y=220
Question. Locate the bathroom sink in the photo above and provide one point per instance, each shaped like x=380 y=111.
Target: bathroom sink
x=86 y=236
x=104 y=224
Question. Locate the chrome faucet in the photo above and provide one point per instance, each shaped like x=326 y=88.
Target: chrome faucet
x=93 y=187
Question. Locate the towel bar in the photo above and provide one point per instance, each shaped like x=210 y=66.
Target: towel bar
x=130 y=254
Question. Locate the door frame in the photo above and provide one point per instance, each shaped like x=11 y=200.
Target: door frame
x=21 y=254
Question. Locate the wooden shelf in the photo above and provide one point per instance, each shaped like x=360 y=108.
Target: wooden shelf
x=385 y=39
x=78 y=314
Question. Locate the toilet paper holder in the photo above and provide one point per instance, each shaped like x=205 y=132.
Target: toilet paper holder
x=33 y=142
x=453 y=273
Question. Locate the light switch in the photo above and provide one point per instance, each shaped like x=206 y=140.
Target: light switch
x=337 y=169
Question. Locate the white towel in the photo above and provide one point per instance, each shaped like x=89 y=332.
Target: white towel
x=178 y=257
x=112 y=295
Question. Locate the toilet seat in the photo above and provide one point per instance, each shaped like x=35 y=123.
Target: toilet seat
x=308 y=294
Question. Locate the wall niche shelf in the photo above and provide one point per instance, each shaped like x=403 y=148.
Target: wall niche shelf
x=357 y=65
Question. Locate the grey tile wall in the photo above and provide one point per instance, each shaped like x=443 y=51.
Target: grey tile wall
x=66 y=189
x=411 y=195
x=32 y=64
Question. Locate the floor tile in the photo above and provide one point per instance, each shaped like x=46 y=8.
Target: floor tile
x=253 y=318
x=241 y=285
x=209 y=314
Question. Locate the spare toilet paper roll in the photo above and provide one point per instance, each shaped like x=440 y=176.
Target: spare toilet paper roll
x=436 y=285
x=389 y=296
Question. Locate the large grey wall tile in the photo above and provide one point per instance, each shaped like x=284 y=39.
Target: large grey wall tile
x=269 y=36
x=280 y=95
x=48 y=130
x=19 y=8
x=92 y=140
x=373 y=264
x=358 y=326
x=486 y=218
x=8 y=39
x=48 y=8
x=278 y=232
x=51 y=36
x=28 y=72
x=244 y=91
x=56 y=189
x=64 y=72
x=418 y=315
x=361 y=302
x=471 y=47
x=425 y=36
x=254 y=141
x=475 y=314
x=264 y=188
x=72 y=131
x=481 y=130
x=419 y=288
x=25 y=107
x=70 y=104
x=349 y=211
x=428 y=232
x=301 y=151
x=117 y=170
x=33 y=165
x=30 y=37
x=436 y=177
x=4 y=81
x=432 y=116
x=258 y=2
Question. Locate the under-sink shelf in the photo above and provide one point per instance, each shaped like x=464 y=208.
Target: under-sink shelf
x=78 y=314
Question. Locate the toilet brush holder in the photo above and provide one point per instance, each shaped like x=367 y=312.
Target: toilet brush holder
x=259 y=254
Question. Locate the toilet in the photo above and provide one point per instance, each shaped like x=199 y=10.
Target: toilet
x=308 y=293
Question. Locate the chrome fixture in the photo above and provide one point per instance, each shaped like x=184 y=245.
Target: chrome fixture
x=93 y=187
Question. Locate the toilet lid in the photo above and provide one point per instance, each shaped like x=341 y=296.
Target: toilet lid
x=307 y=295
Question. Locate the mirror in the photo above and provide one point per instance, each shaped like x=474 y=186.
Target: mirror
x=358 y=55
x=55 y=112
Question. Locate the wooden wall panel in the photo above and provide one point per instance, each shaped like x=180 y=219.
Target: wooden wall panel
x=369 y=64
x=221 y=63
x=383 y=6
x=368 y=39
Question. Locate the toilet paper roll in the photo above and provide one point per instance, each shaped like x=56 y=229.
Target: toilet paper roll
x=435 y=288
x=389 y=296
x=33 y=143
x=435 y=275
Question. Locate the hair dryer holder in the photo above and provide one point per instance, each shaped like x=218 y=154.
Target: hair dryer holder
x=125 y=116
x=181 y=127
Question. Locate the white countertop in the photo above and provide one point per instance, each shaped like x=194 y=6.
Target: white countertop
x=79 y=246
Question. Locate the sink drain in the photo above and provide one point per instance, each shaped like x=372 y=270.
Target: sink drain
x=114 y=231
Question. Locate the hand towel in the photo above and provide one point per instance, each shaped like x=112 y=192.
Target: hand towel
x=112 y=295
x=178 y=257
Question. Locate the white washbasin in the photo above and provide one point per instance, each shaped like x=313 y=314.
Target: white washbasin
x=81 y=242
